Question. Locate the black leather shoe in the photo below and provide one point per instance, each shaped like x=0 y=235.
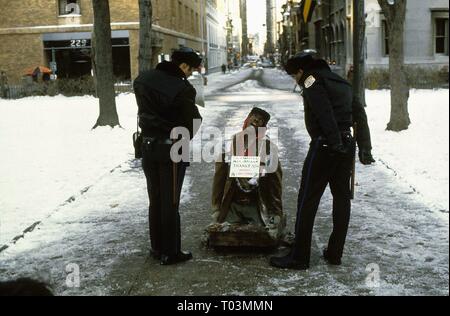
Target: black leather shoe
x=331 y=260
x=288 y=263
x=181 y=257
x=155 y=254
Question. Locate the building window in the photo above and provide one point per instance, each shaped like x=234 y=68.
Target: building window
x=441 y=36
x=341 y=45
x=69 y=7
x=332 y=45
x=385 y=31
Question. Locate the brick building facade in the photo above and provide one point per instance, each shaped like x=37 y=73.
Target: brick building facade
x=49 y=32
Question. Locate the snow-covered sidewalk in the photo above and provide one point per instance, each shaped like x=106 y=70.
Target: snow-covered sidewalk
x=50 y=155
x=419 y=155
x=94 y=214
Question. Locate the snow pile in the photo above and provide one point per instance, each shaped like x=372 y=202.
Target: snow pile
x=218 y=81
x=278 y=79
x=247 y=87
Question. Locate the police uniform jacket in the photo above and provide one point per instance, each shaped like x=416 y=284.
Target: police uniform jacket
x=329 y=106
x=166 y=99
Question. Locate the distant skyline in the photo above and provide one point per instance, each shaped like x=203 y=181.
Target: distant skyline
x=256 y=16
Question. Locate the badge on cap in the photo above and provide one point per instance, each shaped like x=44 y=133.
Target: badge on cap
x=309 y=82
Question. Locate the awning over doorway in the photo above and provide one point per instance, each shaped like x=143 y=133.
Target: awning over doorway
x=51 y=37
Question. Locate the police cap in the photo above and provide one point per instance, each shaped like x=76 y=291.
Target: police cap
x=186 y=55
x=299 y=61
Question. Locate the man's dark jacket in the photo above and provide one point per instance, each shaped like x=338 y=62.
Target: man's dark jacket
x=329 y=106
x=166 y=99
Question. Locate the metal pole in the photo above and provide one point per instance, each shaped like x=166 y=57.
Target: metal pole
x=205 y=50
x=291 y=40
x=290 y=24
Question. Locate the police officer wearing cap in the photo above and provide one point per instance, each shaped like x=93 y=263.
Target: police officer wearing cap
x=329 y=114
x=166 y=100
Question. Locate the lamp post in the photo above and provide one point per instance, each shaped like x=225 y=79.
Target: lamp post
x=288 y=23
x=230 y=37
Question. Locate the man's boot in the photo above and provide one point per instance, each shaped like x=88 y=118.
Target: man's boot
x=287 y=262
x=181 y=257
x=330 y=259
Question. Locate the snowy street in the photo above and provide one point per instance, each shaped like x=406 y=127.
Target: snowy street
x=82 y=197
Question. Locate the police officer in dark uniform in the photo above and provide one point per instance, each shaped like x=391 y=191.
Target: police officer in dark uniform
x=329 y=114
x=166 y=100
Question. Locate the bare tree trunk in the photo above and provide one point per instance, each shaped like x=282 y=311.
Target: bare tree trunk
x=395 y=19
x=359 y=26
x=145 y=35
x=104 y=76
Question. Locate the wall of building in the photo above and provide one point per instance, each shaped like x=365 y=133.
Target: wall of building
x=46 y=12
x=19 y=52
x=216 y=32
x=419 y=33
x=22 y=27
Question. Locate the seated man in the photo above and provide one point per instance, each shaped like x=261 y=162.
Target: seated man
x=256 y=203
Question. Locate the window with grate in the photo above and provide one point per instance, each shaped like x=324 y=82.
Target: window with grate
x=69 y=7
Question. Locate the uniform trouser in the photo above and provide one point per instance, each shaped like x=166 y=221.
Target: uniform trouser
x=320 y=169
x=164 y=216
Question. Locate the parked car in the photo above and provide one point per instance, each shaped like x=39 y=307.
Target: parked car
x=267 y=64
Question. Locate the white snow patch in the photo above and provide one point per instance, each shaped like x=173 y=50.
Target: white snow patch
x=50 y=153
x=418 y=155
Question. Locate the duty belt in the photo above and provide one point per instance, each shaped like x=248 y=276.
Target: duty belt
x=155 y=140
x=346 y=133
x=343 y=134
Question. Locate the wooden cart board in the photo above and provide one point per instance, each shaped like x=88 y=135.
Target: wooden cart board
x=236 y=235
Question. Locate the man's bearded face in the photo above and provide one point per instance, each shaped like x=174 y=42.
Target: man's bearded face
x=256 y=121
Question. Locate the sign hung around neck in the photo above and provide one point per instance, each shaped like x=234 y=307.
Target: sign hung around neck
x=245 y=167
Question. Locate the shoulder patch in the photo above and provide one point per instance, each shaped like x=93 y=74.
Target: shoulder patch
x=309 y=82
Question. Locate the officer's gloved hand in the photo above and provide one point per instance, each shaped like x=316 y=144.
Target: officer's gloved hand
x=340 y=150
x=365 y=156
